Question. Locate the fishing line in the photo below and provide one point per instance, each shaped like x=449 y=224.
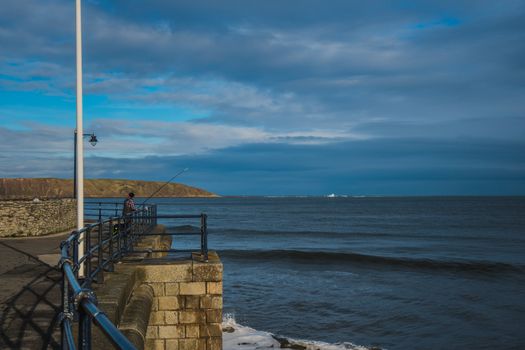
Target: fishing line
x=170 y=180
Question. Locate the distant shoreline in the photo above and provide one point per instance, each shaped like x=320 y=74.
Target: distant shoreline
x=54 y=188
x=378 y=196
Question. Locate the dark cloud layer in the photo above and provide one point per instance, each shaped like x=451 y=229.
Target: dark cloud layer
x=442 y=83
x=386 y=167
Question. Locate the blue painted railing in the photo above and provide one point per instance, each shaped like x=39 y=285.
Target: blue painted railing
x=105 y=242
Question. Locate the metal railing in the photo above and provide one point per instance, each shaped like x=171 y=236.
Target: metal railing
x=99 y=210
x=105 y=242
x=203 y=232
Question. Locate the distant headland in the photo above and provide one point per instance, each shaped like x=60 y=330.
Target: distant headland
x=45 y=188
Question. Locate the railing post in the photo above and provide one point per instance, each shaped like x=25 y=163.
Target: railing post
x=116 y=209
x=99 y=211
x=142 y=222
x=76 y=267
x=136 y=216
x=65 y=306
x=128 y=226
x=84 y=330
x=151 y=218
x=119 y=237
x=87 y=255
x=138 y=232
x=75 y=256
x=127 y=234
x=100 y=274
x=133 y=230
x=110 y=249
x=153 y=214
x=204 y=236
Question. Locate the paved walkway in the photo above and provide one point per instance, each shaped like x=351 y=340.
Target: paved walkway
x=30 y=292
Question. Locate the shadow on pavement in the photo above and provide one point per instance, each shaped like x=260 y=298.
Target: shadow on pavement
x=30 y=310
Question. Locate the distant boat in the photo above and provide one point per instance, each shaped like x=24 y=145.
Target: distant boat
x=331 y=195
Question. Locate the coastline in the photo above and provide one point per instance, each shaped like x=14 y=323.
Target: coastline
x=55 y=188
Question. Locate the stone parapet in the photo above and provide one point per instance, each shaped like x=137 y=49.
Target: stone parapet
x=186 y=312
x=29 y=218
x=162 y=302
x=187 y=304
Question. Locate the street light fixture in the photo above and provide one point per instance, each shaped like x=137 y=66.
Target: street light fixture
x=93 y=141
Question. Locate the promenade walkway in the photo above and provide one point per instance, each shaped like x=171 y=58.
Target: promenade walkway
x=30 y=292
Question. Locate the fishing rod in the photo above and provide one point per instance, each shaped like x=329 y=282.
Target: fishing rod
x=161 y=187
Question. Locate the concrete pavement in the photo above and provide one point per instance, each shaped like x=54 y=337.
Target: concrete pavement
x=30 y=292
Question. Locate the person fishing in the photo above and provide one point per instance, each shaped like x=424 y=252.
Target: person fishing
x=127 y=211
x=129 y=205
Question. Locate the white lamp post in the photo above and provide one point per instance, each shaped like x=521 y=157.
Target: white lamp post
x=79 y=140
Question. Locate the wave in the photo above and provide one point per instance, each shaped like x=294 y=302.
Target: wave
x=326 y=257
x=250 y=233
x=263 y=233
x=236 y=232
x=239 y=337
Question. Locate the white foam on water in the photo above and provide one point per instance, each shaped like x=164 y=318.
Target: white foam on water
x=246 y=338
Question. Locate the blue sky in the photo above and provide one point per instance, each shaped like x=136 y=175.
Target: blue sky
x=271 y=97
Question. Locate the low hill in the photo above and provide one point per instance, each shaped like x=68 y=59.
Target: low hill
x=96 y=188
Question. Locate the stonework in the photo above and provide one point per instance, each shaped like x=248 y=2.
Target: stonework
x=28 y=218
x=164 y=303
x=187 y=305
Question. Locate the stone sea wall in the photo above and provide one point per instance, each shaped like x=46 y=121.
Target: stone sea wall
x=187 y=307
x=163 y=302
x=27 y=218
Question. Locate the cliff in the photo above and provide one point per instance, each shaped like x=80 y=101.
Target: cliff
x=63 y=188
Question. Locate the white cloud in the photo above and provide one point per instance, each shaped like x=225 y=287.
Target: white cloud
x=136 y=139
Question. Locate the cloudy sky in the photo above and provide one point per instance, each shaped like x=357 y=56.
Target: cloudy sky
x=271 y=97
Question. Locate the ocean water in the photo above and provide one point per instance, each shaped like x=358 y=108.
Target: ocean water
x=355 y=273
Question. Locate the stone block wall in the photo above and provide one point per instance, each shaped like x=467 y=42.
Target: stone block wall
x=28 y=218
x=163 y=302
x=187 y=306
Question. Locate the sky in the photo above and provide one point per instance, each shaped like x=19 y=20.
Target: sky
x=273 y=97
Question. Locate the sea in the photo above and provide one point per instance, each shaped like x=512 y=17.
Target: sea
x=366 y=272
